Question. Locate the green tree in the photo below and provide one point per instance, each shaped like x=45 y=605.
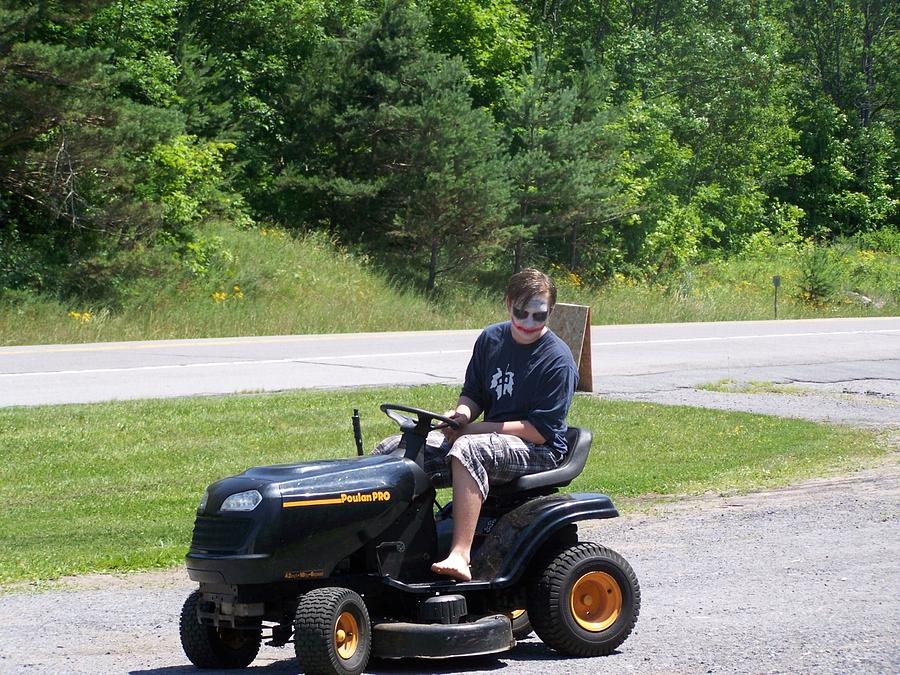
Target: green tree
x=848 y=57
x=90 y=168
x=256 y=48
x=454 y=194
x=71 y=153
x=565 y=158
x=534 y=109
x=389 y=150
x=143 y=38
x=493 y=37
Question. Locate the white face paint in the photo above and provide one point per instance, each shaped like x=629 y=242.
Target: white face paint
x=529 y=328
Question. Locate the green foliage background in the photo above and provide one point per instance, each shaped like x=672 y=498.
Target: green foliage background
x=445 y=139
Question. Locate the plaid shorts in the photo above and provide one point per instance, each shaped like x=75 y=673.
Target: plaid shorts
x=491 y=459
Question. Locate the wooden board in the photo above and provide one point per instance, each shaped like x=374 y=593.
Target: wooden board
x=572 y=323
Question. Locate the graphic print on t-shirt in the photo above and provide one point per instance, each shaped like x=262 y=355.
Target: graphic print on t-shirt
x=502 y=383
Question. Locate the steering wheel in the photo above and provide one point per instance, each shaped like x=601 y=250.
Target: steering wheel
x=424 y=421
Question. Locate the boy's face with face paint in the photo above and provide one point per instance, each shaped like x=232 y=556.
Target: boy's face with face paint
x=529 y=321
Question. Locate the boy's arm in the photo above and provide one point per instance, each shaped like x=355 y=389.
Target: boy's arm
x=521 y=428
x=466 y=411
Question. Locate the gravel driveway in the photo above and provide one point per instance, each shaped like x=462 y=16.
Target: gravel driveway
x=801 y=579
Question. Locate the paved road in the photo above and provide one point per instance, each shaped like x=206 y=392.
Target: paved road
x=640 y=361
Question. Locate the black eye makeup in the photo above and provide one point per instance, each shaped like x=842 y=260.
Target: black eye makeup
x=522 y=314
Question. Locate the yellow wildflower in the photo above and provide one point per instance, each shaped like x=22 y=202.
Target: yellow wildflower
x=219 y=296
x=237 y=292
x=81 y=317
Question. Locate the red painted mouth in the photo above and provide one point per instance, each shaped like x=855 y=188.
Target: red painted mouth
x=527 y=331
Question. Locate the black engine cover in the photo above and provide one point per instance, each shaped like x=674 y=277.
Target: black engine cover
x=312 y=516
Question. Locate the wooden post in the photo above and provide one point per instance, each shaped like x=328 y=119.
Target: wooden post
x=572 y=323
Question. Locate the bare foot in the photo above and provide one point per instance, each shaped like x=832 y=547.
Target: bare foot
x=454 y=565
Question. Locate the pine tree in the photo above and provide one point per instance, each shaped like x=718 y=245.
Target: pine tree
x=454 y=195
x=563 y=162
x=389 y=150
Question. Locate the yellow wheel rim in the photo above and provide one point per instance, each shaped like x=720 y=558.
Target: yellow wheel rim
x=346 y=635
x=595 y=601
x=515 y=614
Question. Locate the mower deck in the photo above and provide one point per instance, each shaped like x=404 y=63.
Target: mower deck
x=488 y=635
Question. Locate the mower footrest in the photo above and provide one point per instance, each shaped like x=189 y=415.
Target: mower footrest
x=489 y=635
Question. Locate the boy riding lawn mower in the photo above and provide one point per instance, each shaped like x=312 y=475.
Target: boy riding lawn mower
x=335 y=556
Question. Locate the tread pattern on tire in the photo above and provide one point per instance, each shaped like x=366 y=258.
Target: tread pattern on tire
x=203 y=646
x=547 y=602
x=314 y=628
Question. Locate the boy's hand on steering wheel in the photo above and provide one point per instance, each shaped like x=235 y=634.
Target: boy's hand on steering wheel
x=450 y=433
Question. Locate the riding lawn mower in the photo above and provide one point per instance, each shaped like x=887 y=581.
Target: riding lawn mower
x=335 y=557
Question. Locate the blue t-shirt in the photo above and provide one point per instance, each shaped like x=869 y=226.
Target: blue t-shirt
x=534 y=383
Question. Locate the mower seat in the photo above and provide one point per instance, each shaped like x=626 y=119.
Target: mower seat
x=545 y=482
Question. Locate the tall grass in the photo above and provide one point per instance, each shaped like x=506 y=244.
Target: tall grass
x=249 y=282
x=266 y=282
x=853 y=282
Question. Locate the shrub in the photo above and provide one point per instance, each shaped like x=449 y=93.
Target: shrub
x=886 y=240
x=20 y=264
x=820 y=276
x=185 y=176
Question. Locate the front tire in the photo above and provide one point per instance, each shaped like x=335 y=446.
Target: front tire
x=332 y=632
x=585 y=601
x=521 y=626
x=211 y=647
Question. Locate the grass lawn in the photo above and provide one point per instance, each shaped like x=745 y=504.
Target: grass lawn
x=113 y=487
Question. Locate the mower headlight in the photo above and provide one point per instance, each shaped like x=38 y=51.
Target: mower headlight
x=242 y=501
x=202 y=507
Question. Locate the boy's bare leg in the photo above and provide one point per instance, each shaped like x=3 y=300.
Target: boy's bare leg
x=466 y=507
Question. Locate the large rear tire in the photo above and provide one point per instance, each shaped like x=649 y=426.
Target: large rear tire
x=211 y=647
x=332 y=632
x=585 y=601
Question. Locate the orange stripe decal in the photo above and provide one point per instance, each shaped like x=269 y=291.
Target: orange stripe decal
x=312 y=502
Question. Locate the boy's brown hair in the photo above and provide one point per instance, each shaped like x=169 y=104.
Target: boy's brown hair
x=526 y=284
